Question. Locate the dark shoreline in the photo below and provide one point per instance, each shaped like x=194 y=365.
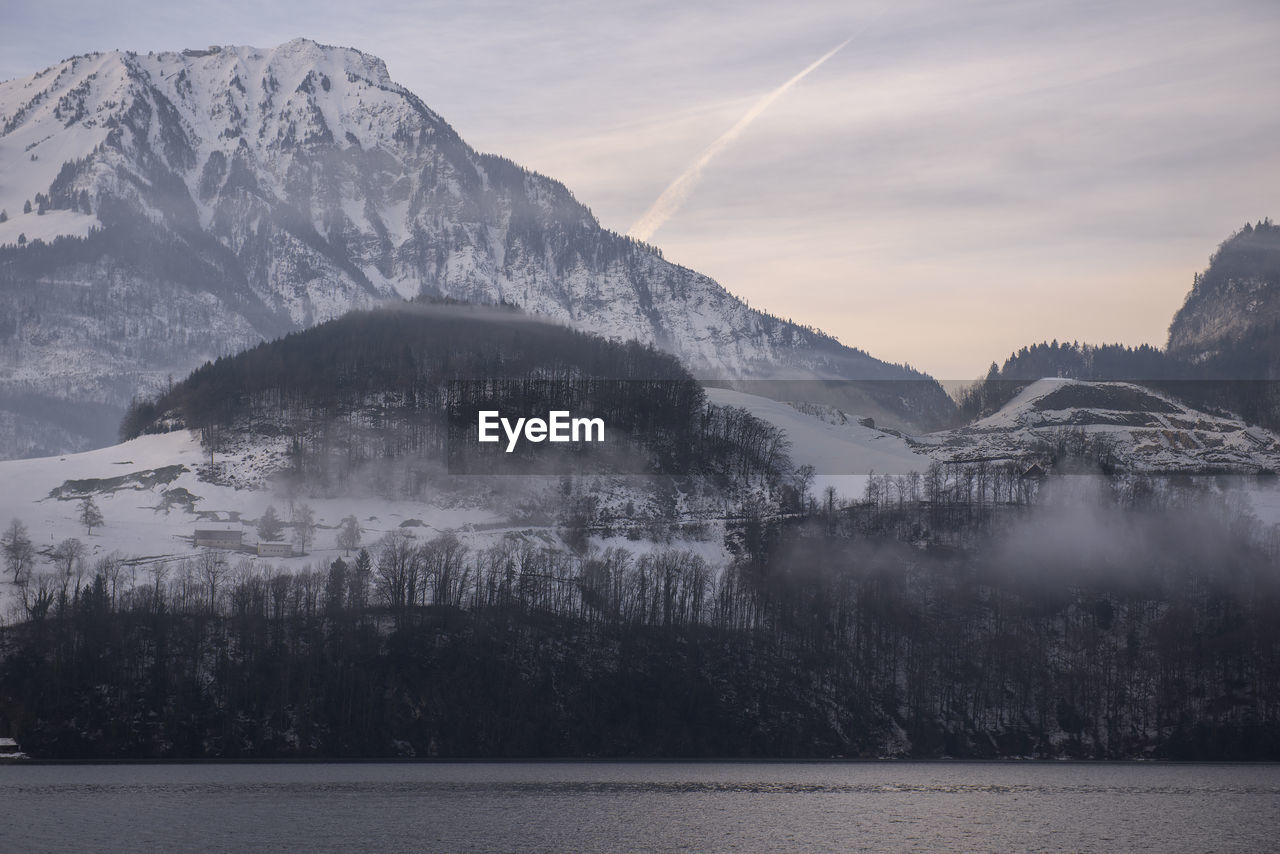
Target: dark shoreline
x=636 y=761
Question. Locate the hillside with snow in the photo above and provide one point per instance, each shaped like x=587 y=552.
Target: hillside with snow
x=154 y=493
x=167 y=208
x=156 y=490
x=1125 y=426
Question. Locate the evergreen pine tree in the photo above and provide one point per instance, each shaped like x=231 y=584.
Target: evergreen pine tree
x=270 y=528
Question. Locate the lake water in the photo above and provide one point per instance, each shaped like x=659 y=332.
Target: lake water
x=606 y=807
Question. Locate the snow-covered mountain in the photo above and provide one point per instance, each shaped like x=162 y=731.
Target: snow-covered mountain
x=1120 y=425
x=166 y=208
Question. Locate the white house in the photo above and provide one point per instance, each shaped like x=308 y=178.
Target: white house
x=275 y=550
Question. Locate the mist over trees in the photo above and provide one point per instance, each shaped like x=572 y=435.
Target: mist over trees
x=350 y=534
x=402 y=384
x=961 y=612
x=270 y=527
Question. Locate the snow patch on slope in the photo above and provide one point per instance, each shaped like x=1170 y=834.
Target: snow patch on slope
x=1143 y=429
x=54 y=223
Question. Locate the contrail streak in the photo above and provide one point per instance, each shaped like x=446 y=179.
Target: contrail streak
x=678 y=192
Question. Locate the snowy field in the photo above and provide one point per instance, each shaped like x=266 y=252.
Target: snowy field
x=141 y=524
x=136 y=476
x=152 y=499
x=842 y=455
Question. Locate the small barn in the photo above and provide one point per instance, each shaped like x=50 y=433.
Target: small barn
x=275 y=550
x=219 y=538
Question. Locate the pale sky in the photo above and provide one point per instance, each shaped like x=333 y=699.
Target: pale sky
x=960 y=180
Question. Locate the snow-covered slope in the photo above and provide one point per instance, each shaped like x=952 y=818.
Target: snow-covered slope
x=152 y=498
x=1132 y=427
x=236 y=193
x=833 y=445
x=155 y=490
x=843 y=451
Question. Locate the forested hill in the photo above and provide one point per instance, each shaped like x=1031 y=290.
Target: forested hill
x=1230 y=321
x=410 y=351
x=1223 y=350
x=1071 y=360
x=1210 y=385
x=384 y=383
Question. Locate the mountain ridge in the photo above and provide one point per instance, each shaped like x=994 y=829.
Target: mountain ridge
x=240 y=193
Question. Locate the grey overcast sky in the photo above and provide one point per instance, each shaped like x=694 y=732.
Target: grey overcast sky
x=963 y=178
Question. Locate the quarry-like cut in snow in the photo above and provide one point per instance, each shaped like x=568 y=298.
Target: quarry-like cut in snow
x=1008 y=415
x=1135 y=427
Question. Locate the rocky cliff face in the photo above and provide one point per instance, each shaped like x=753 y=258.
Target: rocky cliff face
x=184 y=205
x=1234 y=306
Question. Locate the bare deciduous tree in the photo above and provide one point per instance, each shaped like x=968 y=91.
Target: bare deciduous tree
x=19 y=553
x=90 y=515
x=349 y=534
x=304 y=527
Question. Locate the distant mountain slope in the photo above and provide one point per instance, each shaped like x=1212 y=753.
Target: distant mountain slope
x=1112 y=425
x=185 y=205
x=1223 y=350
x=1075 y=361
x=1230 y=321
x=828 y=439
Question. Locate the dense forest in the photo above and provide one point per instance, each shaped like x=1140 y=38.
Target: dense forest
x=1143 y=364
x=406 y=384
x=1220 y=384
x=965 y=612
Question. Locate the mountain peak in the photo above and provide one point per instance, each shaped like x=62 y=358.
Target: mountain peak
x=232 y=193
x=302 y=53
